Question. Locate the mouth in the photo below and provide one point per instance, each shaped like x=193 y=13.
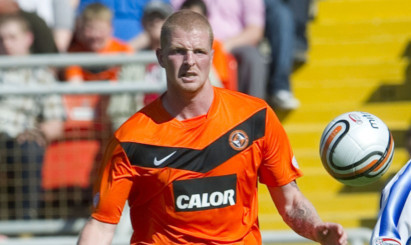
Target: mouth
x=188 y=75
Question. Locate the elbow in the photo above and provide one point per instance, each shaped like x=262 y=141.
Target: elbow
x=257 y=36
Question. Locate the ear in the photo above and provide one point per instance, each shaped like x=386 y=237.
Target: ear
x=159 y=54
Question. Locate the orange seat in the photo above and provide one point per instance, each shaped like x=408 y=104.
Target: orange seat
x=226 y=66
x=69 y=163
x=232 y=82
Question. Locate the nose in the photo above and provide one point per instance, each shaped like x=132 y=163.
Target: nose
x=189 y=58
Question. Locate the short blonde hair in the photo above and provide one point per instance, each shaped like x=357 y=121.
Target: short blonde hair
x=96 y=11
x=187 y=20
x=17 y=18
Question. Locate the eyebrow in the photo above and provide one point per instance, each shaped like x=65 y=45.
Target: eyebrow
x=178 y=47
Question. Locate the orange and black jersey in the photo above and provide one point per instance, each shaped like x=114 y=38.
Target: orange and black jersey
x=195 y=181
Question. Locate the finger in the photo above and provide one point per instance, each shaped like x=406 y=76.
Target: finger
x=343 y=238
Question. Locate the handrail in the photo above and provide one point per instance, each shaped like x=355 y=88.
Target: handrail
x=81 y=59
x=93 y=87
x=356 y=236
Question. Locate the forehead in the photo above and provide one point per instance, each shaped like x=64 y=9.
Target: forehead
x=97 y=23
x=192 y=38
x=11 y=27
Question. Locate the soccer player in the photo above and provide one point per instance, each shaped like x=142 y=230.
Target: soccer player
x=394 y=219
x=189 y=162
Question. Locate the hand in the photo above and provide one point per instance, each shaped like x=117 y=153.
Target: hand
x=32 y=135
x=331 y=234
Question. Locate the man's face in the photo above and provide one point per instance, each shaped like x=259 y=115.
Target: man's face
x=14 y=40
x=187 y=59
x=95 y=34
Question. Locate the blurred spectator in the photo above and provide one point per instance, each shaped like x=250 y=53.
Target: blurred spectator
x=59 y=16
x=155 y=13
x=239 y=25
x=43 y=41
x=27 y=123
x=127 y=16
x=124 y=105
x=302 y=12
x=224 y=63
x=285 y=31
x=93 y=34
x=197 y=6
x=279 y=31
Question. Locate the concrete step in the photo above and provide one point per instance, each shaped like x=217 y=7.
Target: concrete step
x=314 y=115
x=378 y=49
x=352 y=11
x=309 y=158
x=302 y=82
x=347 y=209
x=316 y=180
x=367 y=31
x=340 y=71
x=357 y=62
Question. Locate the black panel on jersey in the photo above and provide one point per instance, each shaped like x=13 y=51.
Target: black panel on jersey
x=202 y=161
x=205 y=193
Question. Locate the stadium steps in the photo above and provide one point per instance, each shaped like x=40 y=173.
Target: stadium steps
x=359 y=60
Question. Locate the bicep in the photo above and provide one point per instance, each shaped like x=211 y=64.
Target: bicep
x=113 y=184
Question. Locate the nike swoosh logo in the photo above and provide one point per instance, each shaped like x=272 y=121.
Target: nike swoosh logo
x=162 y=160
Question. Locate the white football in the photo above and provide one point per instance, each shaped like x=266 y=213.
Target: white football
x=356 y=148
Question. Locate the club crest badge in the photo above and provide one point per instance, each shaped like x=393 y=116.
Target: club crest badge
x=238 y=140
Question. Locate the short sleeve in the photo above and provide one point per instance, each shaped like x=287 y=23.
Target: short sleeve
x=279 y=166
x=254 y=13
x=72 y=72
x=113 y=185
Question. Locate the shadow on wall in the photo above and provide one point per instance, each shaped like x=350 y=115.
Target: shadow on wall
x=387 y=93
x=393 y=93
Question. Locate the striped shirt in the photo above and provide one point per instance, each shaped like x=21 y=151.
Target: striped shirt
x=394 y=219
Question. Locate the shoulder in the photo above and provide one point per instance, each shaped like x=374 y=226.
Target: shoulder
x=236 y=107
x=398 y=184
x=75 y=46
x=237 y=99
x=140 y=124
x=118 y=45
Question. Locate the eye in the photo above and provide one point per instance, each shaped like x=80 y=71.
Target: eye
x=179 y=51
x=200 y=51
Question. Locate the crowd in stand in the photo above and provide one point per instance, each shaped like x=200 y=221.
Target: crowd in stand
x=123 y=26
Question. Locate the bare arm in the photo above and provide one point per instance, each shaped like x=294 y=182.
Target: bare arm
x=140 y=42
x=96 y=232
x=301 y=216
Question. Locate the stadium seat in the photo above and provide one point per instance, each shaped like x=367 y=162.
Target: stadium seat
x=232 y=82
x=69 y=163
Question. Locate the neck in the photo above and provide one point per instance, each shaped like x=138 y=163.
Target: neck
x=184 y=106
